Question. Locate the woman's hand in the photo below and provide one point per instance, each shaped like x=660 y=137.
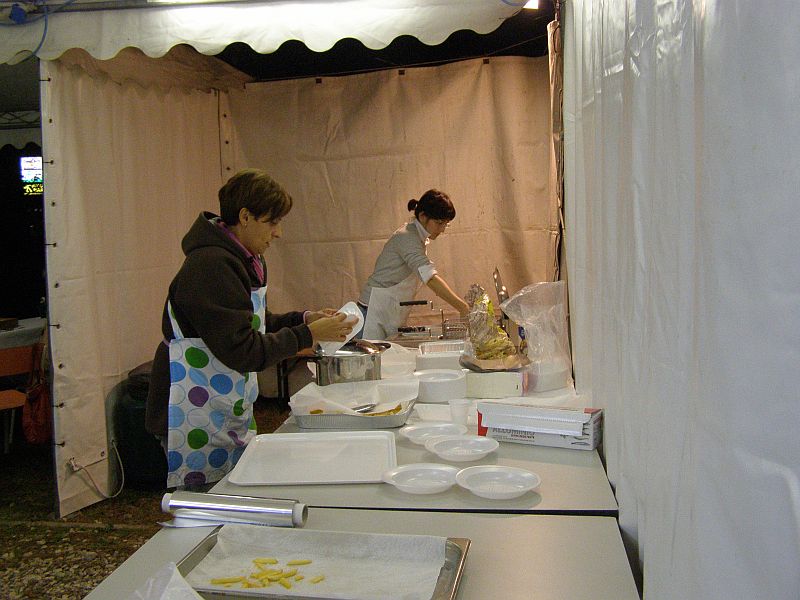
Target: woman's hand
x=330 y=328
x=315 y=315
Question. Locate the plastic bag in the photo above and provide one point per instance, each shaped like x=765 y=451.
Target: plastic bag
x=166 y=584
x=541 y=309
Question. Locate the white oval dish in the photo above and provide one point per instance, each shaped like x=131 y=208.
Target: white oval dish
x=422 y=432
x=497 y=482
x=422 y=478
x=351 y=310
x=461 y=448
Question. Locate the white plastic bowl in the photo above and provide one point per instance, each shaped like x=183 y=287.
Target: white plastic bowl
x=421 y=433
x=439 y=385
x=497 y=482
x=461 y=448
x=422 y=478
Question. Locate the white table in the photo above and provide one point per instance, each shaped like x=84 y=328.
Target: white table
x=511 y=557
x=26 y=333
x=573 y=482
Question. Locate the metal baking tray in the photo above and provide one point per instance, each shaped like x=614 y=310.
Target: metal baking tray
x=455 y=557
x=354 y=422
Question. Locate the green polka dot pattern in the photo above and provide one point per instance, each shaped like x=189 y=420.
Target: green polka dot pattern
x=196 y=357
x=197 y=438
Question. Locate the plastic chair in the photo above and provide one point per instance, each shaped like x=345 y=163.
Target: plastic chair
x=13 y=361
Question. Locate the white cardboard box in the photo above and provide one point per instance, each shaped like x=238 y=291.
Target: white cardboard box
x=500 y=384
x=577 y=428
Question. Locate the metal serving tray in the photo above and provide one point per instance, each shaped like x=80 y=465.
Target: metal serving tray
x=455 y=557
x=354 y=422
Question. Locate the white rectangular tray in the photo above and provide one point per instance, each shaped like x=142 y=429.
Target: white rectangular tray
x=312 y=458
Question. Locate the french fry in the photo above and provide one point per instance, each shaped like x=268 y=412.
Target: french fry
x=224 y=580
x=262 y=576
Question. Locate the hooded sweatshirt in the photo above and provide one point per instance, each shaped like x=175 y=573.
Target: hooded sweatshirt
x=210 y=298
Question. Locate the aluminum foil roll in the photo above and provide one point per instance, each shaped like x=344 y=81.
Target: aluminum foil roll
x=220 y=508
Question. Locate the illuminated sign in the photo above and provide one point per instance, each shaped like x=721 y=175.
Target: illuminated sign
x=31 y=174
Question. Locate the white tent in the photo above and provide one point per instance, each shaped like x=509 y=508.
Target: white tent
x=135 y=147
x=681 y=247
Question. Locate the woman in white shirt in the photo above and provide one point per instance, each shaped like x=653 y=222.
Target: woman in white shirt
x=403 y=266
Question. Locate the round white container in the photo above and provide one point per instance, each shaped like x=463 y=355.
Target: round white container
x=440 y=385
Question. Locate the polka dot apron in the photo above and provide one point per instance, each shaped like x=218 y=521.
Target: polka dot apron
x=210 y=419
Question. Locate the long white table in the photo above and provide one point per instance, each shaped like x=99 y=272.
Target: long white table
x=573 y=482
x=512 y=556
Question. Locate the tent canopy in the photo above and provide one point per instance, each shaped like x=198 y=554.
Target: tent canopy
x=263 y=26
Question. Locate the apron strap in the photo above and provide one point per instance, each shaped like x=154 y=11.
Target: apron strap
x=176 y=329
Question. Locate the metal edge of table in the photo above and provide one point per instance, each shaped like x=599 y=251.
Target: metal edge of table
x=511 y=556
x=573 y=483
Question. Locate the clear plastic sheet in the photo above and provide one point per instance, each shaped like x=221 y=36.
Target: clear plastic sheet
x=541 y=308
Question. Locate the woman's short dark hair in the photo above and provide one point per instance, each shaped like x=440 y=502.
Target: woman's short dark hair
x=256 y=191
x=435 y=205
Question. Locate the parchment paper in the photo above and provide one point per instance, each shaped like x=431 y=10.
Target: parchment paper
x=356 y=566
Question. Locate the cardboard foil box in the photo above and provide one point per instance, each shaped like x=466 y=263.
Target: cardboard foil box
x=577 y=428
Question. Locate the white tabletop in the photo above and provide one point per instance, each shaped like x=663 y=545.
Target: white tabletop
x=573 y=482
x=26 y=333
x=512 y=556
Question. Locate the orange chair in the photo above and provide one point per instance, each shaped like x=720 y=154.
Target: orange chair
x=13 y=361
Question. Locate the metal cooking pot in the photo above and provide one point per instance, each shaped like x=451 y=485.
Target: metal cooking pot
x=357 y=360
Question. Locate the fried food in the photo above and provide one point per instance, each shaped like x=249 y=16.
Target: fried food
x=489 y=341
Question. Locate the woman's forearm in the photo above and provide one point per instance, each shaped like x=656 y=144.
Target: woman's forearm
x=443 y=291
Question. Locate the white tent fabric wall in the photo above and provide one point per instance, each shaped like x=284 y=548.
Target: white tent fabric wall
x=127 y=168
x=353 y=150
x=133 y=164
x=681 y=189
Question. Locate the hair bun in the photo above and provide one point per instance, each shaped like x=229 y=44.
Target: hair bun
x=412 y=204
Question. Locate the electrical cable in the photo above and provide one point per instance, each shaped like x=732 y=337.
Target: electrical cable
x=46 y=14
x=44 y=5
x=77 y=467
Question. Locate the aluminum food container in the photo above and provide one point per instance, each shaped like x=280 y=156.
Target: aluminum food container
x=354 y=422
x=455 y=556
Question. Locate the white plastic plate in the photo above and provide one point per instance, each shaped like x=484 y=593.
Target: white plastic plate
x=310 y=458
x=439 y=385
x=497 y=482
x=421 y=433
x=422 y=478
x=351 y=310
x=461 y=448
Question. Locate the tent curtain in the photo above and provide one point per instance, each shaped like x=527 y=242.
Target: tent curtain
x=353 y=150
x=129 y=164
x=126 y=168
x=681 y=189
x=556 y=61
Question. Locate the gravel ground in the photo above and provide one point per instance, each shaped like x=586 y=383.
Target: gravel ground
x=42 y=557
